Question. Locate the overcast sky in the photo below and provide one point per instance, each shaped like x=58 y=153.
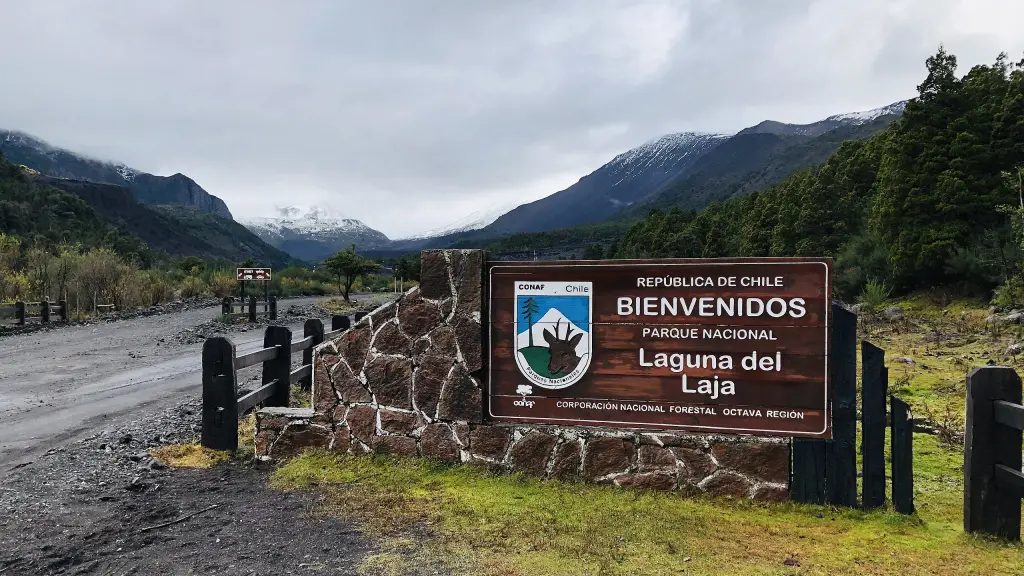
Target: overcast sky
x=413 y=114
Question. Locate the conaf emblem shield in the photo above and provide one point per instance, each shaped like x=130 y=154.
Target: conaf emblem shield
x=552 y=331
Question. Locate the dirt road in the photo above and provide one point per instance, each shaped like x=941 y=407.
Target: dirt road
x=61 y=385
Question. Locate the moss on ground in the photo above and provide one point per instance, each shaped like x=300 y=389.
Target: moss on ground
x=188 y=456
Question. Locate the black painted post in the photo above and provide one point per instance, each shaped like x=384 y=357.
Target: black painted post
x=280 y=367
x=225 y=305
x=340 y=322
x=44 y=311
x=987 y=508
x=874 y=390
x=902 y=449
x=841 y=451
x=63 y=310
x=360 y=315
x=808 y=477
x=266 y=296
x=252 y=308
x=19 y=312
x=273 y=307
x=220 y=403
x=315 y=328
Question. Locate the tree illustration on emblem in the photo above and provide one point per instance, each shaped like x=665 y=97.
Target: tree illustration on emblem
x=529 y=309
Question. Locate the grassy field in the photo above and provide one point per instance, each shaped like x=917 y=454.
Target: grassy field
x=471 y=522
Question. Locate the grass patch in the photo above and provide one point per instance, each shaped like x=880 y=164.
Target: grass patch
x=514 y=525
x=188 y=456
x=338 y=306
x=299 y=398
x=247 y=435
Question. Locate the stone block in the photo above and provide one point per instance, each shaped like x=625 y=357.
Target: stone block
x=490 y=441
x=766 y=461
x=428 y=381
x=566 y=463
x=390 y=380
x=434 y=281
x=297 y=437
x=769 y=493
x=438 y=443
x=353 y=345
x=653 y=458
x=401 y=446
x=324 y=396
x=469 y=334
x=530 y=454
x=647 y=481
x=725 y=483
x=605 y=455
x=417 y=317
x=461 y=434
x=461 y=399
x=468 y=275
x=362 y=422
x=697 y=464
x=443 y=343
x=348 y=387
x=390 y=340
x=398 y=422
x=341 y=440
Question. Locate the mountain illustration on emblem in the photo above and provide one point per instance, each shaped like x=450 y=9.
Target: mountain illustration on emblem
x=552 y=341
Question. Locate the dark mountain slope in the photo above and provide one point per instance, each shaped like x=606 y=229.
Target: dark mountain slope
x=173 y=230
x=21 y=148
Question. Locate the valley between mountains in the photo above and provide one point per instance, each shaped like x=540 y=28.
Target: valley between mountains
x=176 y=216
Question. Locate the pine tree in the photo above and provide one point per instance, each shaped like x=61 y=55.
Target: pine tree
x=529 y=309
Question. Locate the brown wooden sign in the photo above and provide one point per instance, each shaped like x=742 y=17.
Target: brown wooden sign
x=252 y=273
x=738 y=346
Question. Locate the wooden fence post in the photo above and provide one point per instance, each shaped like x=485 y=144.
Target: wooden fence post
x=63 y=310
x=360 y=315
x=252 y=308
x=340 y=322
x=873 y=395
x=220 y=408
x=841 y=451
x=280 y=367
x=273 y=307
x=225 y=305
x=44 y=311
x=988 y=509
x=315 y=328
x=807 y=483
x=19 y=312
x=902 y=449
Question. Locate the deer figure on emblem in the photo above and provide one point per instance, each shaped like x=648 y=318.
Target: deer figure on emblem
x=563 y=350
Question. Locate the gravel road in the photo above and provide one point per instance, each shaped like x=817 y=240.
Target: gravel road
x=79 y=495
x=61 y=385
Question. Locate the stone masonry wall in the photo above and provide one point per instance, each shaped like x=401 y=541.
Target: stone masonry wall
x=408 y=380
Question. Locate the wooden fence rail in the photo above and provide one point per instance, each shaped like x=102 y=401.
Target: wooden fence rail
x=825 y=471
x=222 y=406
x=993 y=482
x=25 y=311
x=228 y=305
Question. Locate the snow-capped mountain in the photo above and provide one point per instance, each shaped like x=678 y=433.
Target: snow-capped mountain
x=627 y=179
x=549 y=321
x=828 y=124
x=314 y=233
x=177 y=189
x=894 y=109
x=473 y=221
x=690 y=169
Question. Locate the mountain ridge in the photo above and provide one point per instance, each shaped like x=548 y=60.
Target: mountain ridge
x=23 y=148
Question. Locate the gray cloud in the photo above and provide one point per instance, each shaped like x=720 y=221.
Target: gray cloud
x=409 y=115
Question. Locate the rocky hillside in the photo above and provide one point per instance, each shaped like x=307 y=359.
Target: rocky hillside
x=177 y=190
